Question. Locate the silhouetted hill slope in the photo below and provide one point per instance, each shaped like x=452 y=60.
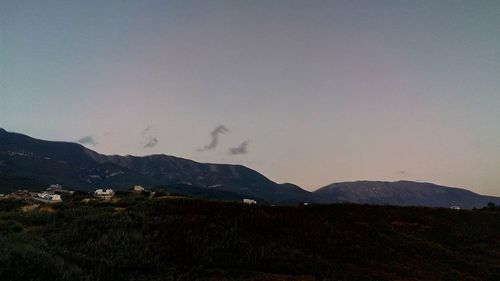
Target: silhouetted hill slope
x=29 y=162
x=404 y=193
x=137 y=239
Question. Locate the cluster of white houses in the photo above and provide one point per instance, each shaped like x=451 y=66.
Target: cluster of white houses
x=108 y=193
x=47 y=197
x=54 y=192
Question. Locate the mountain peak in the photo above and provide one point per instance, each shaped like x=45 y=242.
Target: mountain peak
x=43 y=163
x=37 y=163
x=407 y=193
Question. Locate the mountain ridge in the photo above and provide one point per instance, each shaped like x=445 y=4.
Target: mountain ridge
x=76 y=166
x=403 y=193
x=27 y=162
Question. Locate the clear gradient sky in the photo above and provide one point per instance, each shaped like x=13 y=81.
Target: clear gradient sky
x=325 y=91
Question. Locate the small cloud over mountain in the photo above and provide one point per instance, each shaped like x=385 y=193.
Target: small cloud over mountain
x=87 y=140
x=240 y=149
x=146 y=130
x=151 y=142
x=214 y=138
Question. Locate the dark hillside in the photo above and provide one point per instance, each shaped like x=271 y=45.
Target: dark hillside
x=30 y=163
x=141 y=239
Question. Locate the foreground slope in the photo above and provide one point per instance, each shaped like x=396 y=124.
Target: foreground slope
x=403 y=193
x=28 y=162
x=138 y=239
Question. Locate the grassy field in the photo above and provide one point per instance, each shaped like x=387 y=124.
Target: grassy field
x=136 y=238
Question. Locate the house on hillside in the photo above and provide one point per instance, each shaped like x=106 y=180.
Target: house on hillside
x=249 y=201
x=138 y=188
x=47 y=198
x=108 y=193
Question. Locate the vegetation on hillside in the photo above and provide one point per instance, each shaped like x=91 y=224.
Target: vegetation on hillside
x=135 y=238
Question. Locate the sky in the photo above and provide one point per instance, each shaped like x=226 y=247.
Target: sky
x=308 y=92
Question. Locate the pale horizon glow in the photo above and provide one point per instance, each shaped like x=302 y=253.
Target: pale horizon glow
x=311 y=92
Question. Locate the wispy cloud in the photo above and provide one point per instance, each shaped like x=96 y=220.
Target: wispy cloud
x=149 y=140
x=214 y=138
x=152 y=141
x=240 y=149
x=87 y=140
x=146 y=130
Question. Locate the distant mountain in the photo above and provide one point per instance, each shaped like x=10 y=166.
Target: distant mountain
x=30 y=163
x=404 y=193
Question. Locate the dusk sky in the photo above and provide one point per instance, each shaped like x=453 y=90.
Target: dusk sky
x=309 y=92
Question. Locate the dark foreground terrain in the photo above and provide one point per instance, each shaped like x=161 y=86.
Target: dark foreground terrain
x=135 y=238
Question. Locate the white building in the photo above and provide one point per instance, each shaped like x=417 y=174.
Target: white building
x=138 y=188
x=249 y=201
x=104 y=193
x=48 y=198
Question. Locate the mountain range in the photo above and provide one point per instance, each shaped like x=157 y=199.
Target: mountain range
x=29 y=163
x=403 y=193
